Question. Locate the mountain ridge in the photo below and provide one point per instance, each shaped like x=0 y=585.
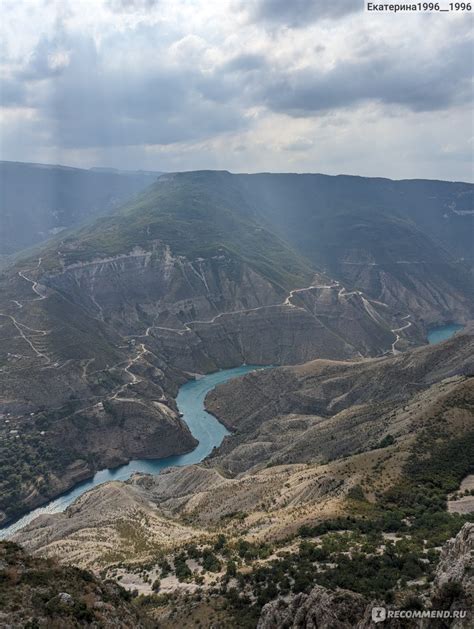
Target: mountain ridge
x=39 y=200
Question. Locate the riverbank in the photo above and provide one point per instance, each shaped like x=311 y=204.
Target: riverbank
x=204 y=427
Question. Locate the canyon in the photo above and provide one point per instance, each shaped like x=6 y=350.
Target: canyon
x=333 y=282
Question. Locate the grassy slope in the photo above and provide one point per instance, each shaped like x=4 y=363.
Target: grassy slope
x=279 y=222
x=195 y=215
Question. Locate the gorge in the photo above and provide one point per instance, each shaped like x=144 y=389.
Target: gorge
x=207 y=431
x=115 y=333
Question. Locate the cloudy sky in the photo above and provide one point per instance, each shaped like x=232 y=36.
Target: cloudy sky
x=243 y=85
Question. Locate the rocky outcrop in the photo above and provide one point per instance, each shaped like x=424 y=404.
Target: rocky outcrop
x=452 y=590
x=453 y=586
x=320 y=609
x=456 y=562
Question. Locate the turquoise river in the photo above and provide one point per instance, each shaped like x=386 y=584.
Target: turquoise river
x=204 y=427
x=443 y=332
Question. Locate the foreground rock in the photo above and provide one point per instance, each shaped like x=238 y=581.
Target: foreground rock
x=38 y=593
x=454 y=579
x=321 y=609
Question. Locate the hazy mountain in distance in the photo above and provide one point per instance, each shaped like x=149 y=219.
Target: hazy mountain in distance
x=442 y=210
x=407 y=243
x=38 y=201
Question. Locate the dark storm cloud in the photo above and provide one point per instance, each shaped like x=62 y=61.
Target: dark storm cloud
x=299 y=13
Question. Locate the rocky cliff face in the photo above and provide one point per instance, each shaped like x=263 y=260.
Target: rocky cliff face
x=320 y=608
x=163 y=289
x=205 y=314
x=453 y=586
x=456 y=561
